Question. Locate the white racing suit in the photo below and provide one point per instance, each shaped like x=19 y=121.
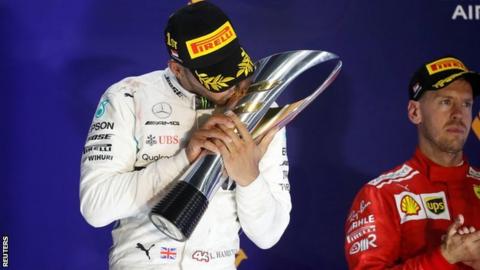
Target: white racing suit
x=135 y=148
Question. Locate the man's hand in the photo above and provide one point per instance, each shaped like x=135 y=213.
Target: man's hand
x=464 y=231
x=241 y=155
x=201 y=138
x=462 y=244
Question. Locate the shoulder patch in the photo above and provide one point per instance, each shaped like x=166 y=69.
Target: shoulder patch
x=398 y=175
x=474 y=173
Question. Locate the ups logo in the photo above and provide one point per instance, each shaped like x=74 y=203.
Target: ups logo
x=435 y=205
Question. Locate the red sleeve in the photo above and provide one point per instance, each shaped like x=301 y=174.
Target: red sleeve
x=372 y=232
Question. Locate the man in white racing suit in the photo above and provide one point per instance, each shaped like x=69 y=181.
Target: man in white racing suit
x=148 y=129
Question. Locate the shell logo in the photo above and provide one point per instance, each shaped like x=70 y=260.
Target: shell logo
x=409 y=206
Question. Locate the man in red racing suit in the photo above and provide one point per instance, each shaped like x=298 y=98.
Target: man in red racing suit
x=425 y=213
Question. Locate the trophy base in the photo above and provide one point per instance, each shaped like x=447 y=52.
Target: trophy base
x=178 y=213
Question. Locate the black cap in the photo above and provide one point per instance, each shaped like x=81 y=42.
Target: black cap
x=201 y=37
x=437 y=74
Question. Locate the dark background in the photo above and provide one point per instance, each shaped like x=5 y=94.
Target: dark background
x=58 y=57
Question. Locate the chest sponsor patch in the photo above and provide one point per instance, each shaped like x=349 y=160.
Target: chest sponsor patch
x=411 y=206
x=476 y=189
x=436 y=205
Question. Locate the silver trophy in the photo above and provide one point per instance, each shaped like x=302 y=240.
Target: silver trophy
x=179 y=211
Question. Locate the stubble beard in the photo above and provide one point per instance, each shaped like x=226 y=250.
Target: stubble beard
x=444 y=144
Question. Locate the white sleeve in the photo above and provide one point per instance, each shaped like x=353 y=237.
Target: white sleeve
x=110 y=187
x=264 y=205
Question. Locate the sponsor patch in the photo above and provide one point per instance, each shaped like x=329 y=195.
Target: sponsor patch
x=409 y=207
x=355 y=214
x=360 y=232
x=101 y=108
x=167 y=253
x=98 y=137
x=361 y=222
x=445 y=64
x=147 y=251
x=402 y=172
x=417 y=87
x=435 y=205
x=171 y=42
x=174 y=89
x=162 y=110
x=107 y=147
x=151 y=140
x=364 y=244
x=476 y=189
x=207 y=256
x=162 y=123
x=98 y=157
x=473 y=173
x=147 y=157
x=211 y=42
x=285 y=186
x=102 y=125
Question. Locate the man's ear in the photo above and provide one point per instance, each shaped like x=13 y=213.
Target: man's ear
x=175 y=67
x=414 y=113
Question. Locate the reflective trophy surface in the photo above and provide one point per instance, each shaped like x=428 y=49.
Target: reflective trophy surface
x=476 y=125
x=179 y=211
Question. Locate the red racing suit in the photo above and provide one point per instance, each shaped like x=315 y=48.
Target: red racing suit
x=397 y=220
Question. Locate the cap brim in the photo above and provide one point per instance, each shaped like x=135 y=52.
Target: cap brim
x=221 y=76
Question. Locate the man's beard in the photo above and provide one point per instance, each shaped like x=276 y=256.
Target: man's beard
x=451 y=145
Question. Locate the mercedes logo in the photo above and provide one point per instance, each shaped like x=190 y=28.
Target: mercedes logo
x=162 y=110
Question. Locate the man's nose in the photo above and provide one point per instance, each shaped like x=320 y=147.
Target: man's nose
x=457 y=111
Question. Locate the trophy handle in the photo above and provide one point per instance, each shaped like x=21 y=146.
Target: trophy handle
x=281 y=116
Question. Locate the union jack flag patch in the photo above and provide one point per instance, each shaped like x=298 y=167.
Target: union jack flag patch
x=168 y=253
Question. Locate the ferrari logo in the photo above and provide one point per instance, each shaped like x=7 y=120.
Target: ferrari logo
x=476 y=189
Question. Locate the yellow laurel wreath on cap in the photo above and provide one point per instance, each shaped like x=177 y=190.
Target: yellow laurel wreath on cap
x=441 y=83
x=213 y=82
x=246 y=66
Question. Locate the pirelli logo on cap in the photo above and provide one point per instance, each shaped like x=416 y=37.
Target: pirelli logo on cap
x=445 y=64
x=211 y=42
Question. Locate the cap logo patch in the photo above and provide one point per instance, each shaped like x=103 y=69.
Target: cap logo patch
x=213 y=83
x=445 y=64
x=171 y=42
x=416 y=88
x=211 y=42
x=246 y=66
x=441 y=83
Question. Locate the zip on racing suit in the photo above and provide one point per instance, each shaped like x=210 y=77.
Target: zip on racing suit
x=135 y=148
x=397 y=220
